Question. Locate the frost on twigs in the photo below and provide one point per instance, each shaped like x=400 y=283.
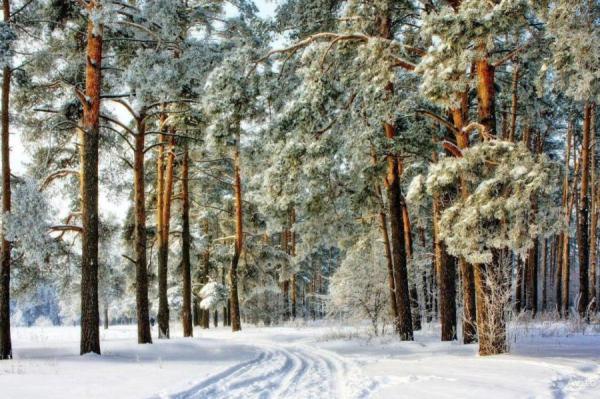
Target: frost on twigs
x=359 y=287
x=214 y=295
x=28 y=224
x=503 y=180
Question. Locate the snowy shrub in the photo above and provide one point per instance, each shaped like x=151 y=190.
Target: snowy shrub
x=359 y=286
x=214 y=295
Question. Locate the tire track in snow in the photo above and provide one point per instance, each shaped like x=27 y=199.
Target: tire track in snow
x=286 y=371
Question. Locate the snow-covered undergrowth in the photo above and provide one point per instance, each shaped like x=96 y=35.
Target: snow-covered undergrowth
x=548 y=359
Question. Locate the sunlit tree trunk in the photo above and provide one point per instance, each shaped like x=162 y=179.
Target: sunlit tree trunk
x=490 y=319
x=234 y=313
x=163 y=248
x=90 y=318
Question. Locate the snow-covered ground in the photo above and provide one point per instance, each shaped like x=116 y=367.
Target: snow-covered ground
x=318 y=361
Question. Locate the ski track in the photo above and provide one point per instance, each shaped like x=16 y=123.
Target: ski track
x=285 y=371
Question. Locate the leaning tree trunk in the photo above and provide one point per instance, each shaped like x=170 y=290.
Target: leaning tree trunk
x=163 y=248
x=141 y=266
x=383 y=226
x=90 y=319
x=583 y=212
x=186 y=268
x=234 y=313
x=5 y=341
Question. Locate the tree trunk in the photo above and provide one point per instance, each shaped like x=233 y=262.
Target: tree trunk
x=414 y=297
x=106 y=316
x=583 y=213
x=469 y=323
x=141 y=266
x=239 y=238
x=5 y=339
x=186 y=268
x=513 y=108
x=491 y=326
x=90 y=319
x=531 y=277
x=163 y=248
x=293 y=281
x=383 y=225
x=563 y=236
x=594 y=218
x=206 y=313
x=404 y=326
x=445 y=270
x=519 y=286
x=544 y=257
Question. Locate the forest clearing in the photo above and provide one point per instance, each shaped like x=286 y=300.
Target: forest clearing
x=300 y=199
x=312 y=360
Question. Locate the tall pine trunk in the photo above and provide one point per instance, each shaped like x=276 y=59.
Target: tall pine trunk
x=491 y=325
x=414 y=297
x=141 y=266
x=186 y=268
x=583 y=213
x=594 y=219
x=469 y=322
x=403 y=323
x=445 y=271
x=234 y=312
x=5 y=340
x=163 y=248
x=90 y=318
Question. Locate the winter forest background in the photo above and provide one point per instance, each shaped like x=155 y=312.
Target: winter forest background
x=404 y=166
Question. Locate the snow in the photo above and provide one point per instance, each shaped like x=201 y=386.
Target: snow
x=547 y=360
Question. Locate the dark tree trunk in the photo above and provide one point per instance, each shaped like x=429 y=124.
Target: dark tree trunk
x=90 y=319
x=414 y=296
x=5 y=340
x=519 y=286
x=403 y=323
x=531 y=280
x=445 y=270
x=186 y=268
x=106 y=316
x=141 y=266
x=583 y=213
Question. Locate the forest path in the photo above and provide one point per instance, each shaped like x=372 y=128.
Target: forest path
x=291 y=370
